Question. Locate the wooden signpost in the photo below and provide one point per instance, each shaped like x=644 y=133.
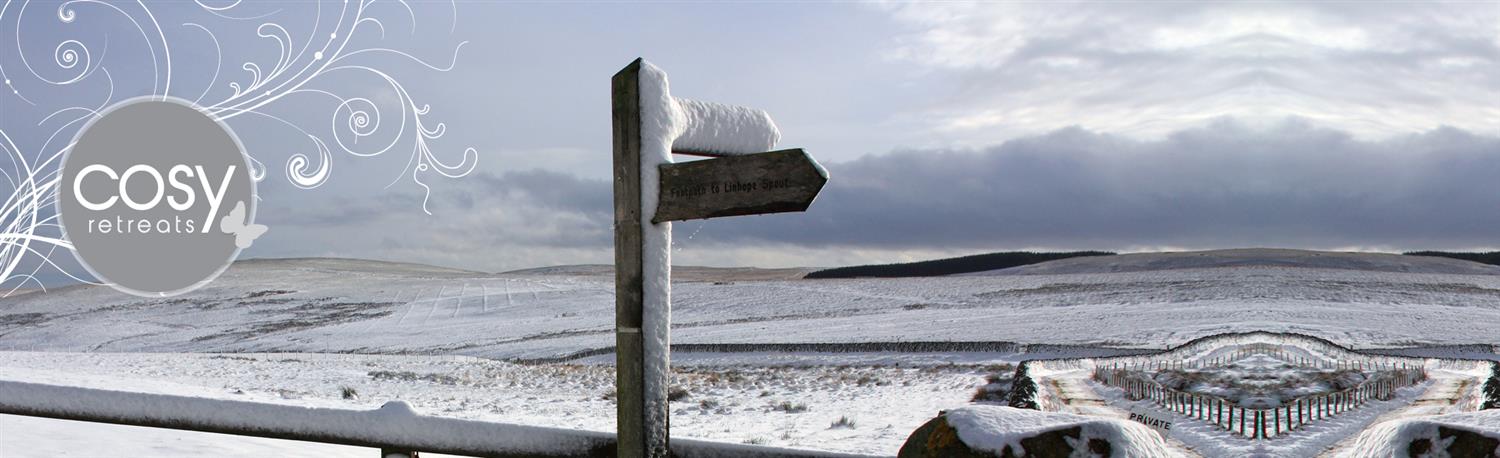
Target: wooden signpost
x=774 y=182
x=646 y=181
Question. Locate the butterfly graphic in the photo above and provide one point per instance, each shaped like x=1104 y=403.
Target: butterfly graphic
x=236 y=223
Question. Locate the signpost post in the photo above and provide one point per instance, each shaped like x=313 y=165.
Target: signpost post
x=651 y=192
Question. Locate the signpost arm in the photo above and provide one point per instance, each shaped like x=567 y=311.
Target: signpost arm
x=629 y=287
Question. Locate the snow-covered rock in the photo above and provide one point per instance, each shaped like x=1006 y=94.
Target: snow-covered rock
x=1453 y=435
x=986 y=430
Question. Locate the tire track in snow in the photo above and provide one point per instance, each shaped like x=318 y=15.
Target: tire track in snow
x=460 y=305
x=435 y=301
x=409 y=306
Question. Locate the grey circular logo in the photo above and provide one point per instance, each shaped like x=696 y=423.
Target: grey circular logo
x=156 y=197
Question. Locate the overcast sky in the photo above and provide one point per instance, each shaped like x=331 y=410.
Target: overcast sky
x=947 y=128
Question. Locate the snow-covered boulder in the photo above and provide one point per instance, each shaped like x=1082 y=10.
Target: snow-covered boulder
x=1465 y=434
x=998 y=431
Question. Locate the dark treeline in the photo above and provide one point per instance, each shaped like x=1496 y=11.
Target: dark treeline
x=1492 y=257
x=950 y=266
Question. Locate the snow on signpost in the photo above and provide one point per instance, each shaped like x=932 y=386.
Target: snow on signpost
x=651 y=191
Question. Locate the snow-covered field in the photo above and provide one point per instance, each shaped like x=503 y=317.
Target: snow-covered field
x=298 y=331
x=365 y=307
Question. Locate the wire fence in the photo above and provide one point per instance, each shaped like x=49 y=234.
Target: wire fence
x=1384 y=372
x=1258 y=423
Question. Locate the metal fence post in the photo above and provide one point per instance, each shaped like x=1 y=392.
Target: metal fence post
x=1276 y=413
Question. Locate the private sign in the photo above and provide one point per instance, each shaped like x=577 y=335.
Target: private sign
x=1161 y=426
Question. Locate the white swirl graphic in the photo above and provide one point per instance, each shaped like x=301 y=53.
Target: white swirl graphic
x=359 y=126
x=297 y=167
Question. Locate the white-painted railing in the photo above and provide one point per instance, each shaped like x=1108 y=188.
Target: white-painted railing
x=394 y=428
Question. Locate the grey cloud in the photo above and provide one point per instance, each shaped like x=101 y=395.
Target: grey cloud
x=1227 y=184
x=1224 y=185
x=483 y=221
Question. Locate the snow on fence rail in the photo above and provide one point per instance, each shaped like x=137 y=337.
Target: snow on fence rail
x=394 y=428
x=1257 y=423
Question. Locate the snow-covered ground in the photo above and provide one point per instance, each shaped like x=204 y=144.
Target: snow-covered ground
x=298 y=331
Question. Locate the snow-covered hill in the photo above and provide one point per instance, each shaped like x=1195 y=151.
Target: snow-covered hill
x=1252 y=257
x=318 y=305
